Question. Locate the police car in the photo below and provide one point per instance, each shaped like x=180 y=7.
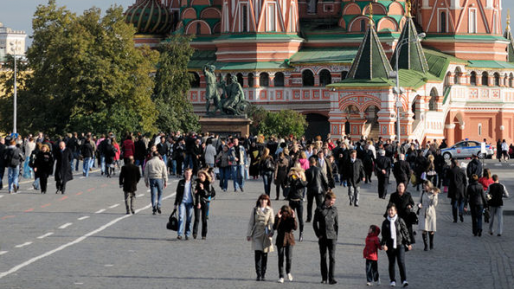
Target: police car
x=466 y=148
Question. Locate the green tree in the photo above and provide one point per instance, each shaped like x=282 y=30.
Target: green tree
x=87 y=74
x=282 y=123
x=172 y=83
x=7 y=89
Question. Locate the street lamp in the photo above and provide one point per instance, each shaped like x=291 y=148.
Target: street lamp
x=399 y=90
x=14 y=48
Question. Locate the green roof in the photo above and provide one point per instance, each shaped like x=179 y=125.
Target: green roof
x=410 y=55
x=473 y=37
x=371 y=60
x=201 y=58
x=259 y=36
x=510 y=47
x=490 y=64
x=324 y=55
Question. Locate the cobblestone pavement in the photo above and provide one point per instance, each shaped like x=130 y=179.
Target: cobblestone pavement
x=109 y=249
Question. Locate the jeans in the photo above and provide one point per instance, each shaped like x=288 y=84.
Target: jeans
x=496 y=213
x=13 y=174
x=165 y=160
x=2 y=171
x=92 y=163
x=238 y=176
x=288 y=252
x=353 y=194
x=457 y=205
x=476 y=218
x=139 y=163
x=372 y=271
x=330 y=245
x=156 y=186
x=102 y=163
x=86 y=166
x=174 y=167
x=76 y=158
x=298 y=206
x=185 y=213
x=267 y=178
x=188 y=162
x=394 y=255
x=224 y=176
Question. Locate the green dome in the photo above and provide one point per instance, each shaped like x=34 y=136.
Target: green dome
x=149 y=17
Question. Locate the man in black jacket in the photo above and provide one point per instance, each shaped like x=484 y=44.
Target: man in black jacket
x=129 y=177
x=474 y=167
x=402 y=171
x=185 y=200
x=382 y=170
x=355 y=175
x=456 y=190
x=63 y=173
x=317 y=185
x=326 y=228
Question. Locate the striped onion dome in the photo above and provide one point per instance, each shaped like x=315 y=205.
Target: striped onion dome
x=149 y=17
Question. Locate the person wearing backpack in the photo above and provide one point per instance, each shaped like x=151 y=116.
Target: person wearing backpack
x=12 y=159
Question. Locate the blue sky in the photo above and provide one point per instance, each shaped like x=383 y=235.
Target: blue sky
x=17 y=14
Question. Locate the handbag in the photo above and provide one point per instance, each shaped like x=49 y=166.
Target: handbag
x=173 y=221
x=413 y=179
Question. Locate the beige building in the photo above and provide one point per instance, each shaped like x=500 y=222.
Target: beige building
x=11 y=42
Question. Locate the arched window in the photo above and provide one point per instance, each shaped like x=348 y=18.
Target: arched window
x=240 y=79
x=250 y=79
x=363 y=25
x=442 y=22
x=473 y=78
x=264 y=79
x=496 y=79
x=195 y=80
x=344 y=74
x=198 y=28
x=279 y=79
x=432 y=104
x=456 y=76
x=325 y=78
x=307 y=78
x=485 y=78
x=511 y=80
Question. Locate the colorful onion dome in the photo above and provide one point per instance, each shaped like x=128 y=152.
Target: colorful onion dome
x=149 y=17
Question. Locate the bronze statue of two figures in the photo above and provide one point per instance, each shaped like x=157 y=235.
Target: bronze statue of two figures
x=228 y=99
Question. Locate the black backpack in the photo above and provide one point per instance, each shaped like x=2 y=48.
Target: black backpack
x=12 y=158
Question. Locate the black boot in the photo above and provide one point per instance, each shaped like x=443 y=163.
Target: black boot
x=424 y=236
x=264 y=265
x=431 y=241
x=258 y=263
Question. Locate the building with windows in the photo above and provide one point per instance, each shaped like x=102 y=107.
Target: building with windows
x=335 y=61
x=11 y=42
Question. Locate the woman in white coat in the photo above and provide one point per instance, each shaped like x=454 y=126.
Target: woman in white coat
x=427 y=213
x=260 y=232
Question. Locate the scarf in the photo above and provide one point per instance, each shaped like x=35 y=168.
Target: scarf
x=393 y=228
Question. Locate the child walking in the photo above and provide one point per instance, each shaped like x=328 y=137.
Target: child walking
x=371 y=255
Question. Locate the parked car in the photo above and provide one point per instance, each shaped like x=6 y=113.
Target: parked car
x=464 y=149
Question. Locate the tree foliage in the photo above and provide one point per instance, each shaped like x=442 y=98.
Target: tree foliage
x=282 y=123
x=87 y=74
x=172 y=82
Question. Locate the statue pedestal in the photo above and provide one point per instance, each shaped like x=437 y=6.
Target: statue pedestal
x=226 y=124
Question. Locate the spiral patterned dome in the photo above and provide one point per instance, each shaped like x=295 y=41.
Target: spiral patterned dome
x=149 y=17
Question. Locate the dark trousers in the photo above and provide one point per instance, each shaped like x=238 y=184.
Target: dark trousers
x=261 y=261
x=476 y=218
x=43 y=181
x=330 y=245
x=288 y=252
x=284 y=190
x=382 y=185
x=396 y=255
x=179 y=166
x=129 y=200
x=298 y=206
x=267 y=178
x=2 y=171
x=201 y=213
x=61 y=185
x=372 y=271
x=310 y=199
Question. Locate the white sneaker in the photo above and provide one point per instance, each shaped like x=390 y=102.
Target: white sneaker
x=289 y=277
x=369 y=284
x=393 y=284
x=405 y=283
x=281 y=280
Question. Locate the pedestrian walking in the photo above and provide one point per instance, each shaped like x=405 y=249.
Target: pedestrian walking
x=3 y=148
x=203 y=193
x=477 y=200
x=382 y=171
x=427 y=213
x=355 y=175
x=156 y=178
x=297 y=182
x=267 y=168
x=223 y=163
x=129 y=177
x=238 y=157
x=260 y=232
x=404 y=203
x=370 y=253
x=63 y=173
x=13 y=157
x=280 y=176
x=43 y=166
x=87 y=152
x=185 y=201
x=317 y=185
x=456 y=190
x=285 y=223
x=496 y=193
x=395 y=240
x=326 y=228
x=402 y=171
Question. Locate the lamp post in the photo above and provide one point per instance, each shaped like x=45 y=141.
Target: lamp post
x=14 y=47
x=399 y=90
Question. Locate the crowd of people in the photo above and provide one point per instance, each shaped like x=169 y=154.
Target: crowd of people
x=301 y=170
